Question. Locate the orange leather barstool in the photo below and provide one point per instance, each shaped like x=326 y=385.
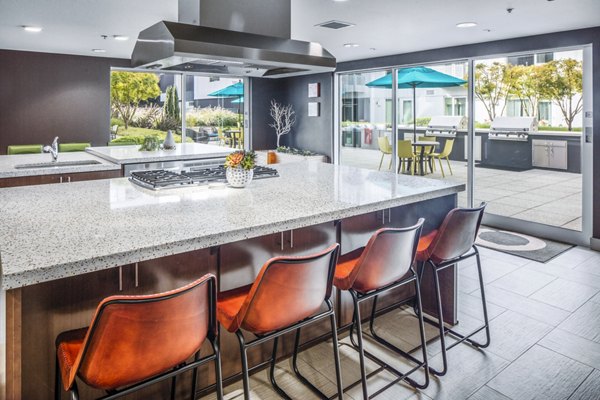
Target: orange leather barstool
x=288 y=294
x=385 y=263
x=136 y=341
x=454 y=241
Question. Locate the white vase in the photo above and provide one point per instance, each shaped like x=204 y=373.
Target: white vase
x=239 y=177
x=169 y=143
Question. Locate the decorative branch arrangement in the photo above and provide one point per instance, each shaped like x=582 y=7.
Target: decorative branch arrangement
x=284 y=117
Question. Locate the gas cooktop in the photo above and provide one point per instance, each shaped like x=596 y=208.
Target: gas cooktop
x=162 y=179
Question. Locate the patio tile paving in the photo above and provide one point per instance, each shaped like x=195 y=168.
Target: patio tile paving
x=542 y=196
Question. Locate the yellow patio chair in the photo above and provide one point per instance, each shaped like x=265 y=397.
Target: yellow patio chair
x=223 y=140
x=386 y=148
x=444 y=154
x=239 y=138
x=428 y=151
x=406 y=154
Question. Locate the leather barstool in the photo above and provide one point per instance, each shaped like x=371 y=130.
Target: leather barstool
x=288 y=294
x=136 y=341
x=454 y=241
x=384 y=264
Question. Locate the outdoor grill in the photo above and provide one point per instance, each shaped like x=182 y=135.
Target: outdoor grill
x=445 y=126
x=512 y=128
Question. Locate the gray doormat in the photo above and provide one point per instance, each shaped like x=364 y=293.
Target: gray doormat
x=518 y=244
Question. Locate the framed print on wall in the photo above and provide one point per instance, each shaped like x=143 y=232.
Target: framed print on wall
x=314 y=89
x=314 y=109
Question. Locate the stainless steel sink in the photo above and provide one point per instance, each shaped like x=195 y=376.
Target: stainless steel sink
x=57 y=164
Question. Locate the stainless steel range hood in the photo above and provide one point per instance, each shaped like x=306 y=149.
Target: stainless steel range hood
x=192 y=48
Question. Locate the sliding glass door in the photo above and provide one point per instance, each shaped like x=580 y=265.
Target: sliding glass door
x=533 y=170
x=532 y=182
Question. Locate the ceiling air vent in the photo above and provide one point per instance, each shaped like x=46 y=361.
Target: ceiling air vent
x=334 y=24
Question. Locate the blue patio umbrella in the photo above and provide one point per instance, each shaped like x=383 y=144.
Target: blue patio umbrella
x=415 y=77
x=235 y=90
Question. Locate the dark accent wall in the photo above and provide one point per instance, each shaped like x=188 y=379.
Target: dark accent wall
x=45 y=95
x=309 y=133
x=523 y=44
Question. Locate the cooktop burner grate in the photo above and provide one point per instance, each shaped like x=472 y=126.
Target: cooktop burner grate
x=159 y=179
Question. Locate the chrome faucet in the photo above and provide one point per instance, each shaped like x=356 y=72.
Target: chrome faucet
x=53 y=149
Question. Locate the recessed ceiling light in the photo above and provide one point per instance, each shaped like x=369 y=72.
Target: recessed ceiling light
x=99 y=50
x=339 y=1
x=350 y=44
x=34 y=29
x=466 y=24
x=120 y=37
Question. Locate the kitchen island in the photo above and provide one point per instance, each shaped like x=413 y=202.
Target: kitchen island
x=63 y=248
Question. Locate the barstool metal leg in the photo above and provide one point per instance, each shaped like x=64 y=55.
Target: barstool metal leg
x=422 y=333
x=361 y=352
x=438 y=299
x=195 y=376
x=483 y=303
x=279 y=390
x=173 y=386
x=486 y=325
x=244 y=356
x=218 y=374
x=336 y=356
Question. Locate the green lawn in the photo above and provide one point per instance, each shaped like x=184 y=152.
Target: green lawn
x=137 y=135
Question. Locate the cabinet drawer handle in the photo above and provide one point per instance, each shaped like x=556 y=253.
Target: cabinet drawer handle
x=137 y=283
x=291 y=239
x=68 y=179
x=281 y=241
x=120 y=279
x=60 y=179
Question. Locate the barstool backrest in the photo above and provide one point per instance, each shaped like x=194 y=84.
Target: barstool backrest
x=288 y=290
x=132 y=338
x=457 y=234
x=387 y=257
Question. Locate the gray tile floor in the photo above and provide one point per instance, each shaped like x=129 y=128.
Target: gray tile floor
x=547 y=197
x=545 y=326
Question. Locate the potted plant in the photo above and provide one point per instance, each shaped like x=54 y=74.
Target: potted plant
x=239 y=168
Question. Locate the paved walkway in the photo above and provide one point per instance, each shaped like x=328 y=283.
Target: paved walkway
x=548 y=197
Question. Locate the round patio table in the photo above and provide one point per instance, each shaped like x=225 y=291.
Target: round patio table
x=422 y=145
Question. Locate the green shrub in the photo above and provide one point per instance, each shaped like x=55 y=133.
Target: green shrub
x=146 y=117
x=116 y=121
x=166 y=122
x=421 y=121
x=558 y=129
x=211 y=116
x=482 y=125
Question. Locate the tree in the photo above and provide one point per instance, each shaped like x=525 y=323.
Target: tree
x=128 y=89
x=493 y=85
x=284 y=117
x=526 y=87
x=562 y=82
x=171 y=108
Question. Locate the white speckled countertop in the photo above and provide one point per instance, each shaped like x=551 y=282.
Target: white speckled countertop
x=132 y=154
x=54 y=231
x=8 y=163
